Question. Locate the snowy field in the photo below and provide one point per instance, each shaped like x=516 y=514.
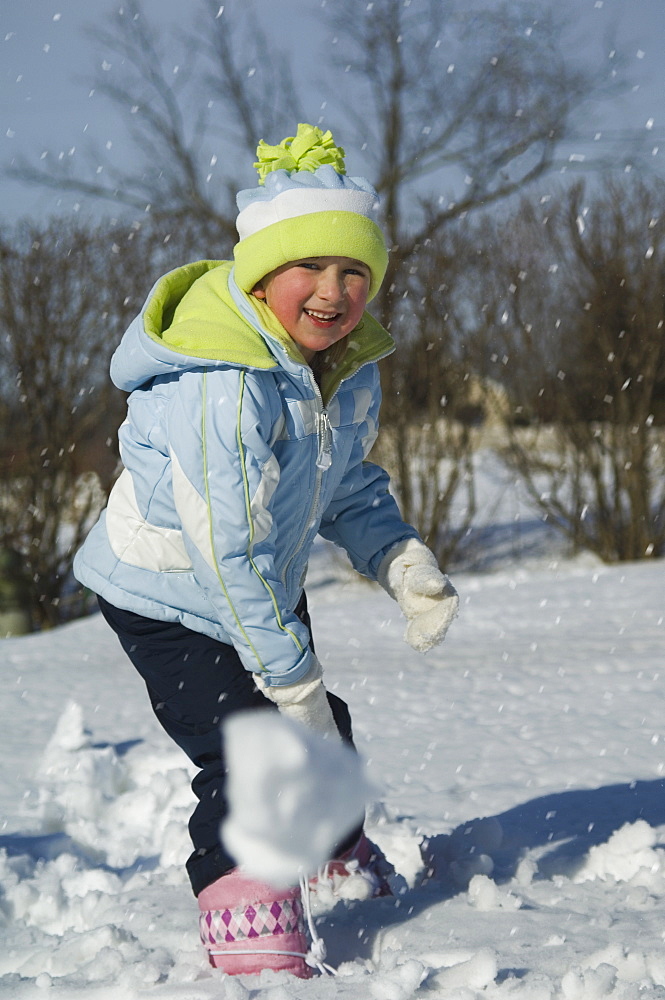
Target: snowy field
x=525 y=758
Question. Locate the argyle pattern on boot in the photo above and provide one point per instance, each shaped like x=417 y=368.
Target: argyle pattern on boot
x=282 y=916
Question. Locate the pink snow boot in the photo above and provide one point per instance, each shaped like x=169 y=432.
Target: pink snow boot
x=247 y=926
x=362 y=872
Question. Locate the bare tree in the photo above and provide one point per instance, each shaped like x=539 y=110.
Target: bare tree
x=462 y=107
x=583 y=319
x=459 y=109
x=179 y=139
x=66 y=293
x=429 y=448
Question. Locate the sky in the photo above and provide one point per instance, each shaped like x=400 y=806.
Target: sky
x=48 y=62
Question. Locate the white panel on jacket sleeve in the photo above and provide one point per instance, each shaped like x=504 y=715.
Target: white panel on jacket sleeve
x=362 y=400
x=261 y=516
x=193 y=511
x=309 y=412
x=137 y=542
x=369 y=437
x=334 y=413
x=279 y=430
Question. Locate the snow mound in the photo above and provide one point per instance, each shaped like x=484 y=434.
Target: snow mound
x=108 y=822
x=630 y=855
x=115 y=805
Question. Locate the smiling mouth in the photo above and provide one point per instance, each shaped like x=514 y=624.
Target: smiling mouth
x=321 y=317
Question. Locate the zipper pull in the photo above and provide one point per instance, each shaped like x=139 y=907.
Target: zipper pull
x=324 y=429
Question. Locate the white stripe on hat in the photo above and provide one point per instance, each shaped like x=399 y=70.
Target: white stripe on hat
x=292 y=202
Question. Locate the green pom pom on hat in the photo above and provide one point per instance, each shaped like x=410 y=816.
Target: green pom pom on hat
x=306 y=206
x=309 y=149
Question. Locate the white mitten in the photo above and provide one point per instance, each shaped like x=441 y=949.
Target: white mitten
x=410 y=574
x=305 y=701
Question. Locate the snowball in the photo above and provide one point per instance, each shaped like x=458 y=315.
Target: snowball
x=485 y=895
x=292 y=796
x=525 y=871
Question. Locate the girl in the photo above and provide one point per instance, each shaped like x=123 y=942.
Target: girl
x=254 y=403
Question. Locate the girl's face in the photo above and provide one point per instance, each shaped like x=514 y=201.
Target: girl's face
x=318 y=300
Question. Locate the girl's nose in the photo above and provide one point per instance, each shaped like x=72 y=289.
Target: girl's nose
x=330 y=285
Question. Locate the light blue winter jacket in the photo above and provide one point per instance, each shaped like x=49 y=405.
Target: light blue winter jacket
x=233 y=460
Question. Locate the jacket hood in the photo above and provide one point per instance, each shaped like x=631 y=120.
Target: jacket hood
x=196 y=317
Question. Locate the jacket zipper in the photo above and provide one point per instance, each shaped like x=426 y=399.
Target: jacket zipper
x=323 y=461
x=324 y=433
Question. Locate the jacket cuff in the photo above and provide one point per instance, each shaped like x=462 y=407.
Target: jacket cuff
x=292 y=675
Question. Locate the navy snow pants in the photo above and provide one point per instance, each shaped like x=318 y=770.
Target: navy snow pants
x=194 y=684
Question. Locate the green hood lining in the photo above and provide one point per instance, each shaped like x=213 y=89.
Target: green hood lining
x=189 y=307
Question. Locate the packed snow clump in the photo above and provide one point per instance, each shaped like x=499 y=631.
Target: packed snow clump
x=292 y=796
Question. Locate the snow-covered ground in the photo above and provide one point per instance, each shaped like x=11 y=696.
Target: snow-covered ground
x=526 y=756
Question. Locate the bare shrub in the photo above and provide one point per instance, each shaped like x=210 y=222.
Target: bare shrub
x=583 y=323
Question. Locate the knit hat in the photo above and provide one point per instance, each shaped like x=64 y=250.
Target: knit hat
x=306 y=206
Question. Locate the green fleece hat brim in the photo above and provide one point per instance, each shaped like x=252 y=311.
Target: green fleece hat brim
x=317 y=234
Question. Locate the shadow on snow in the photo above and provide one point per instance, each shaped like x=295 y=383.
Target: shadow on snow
x=558 y=828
